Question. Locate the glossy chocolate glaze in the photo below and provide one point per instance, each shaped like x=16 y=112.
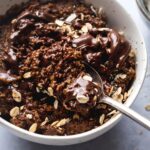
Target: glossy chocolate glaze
x=86 y=89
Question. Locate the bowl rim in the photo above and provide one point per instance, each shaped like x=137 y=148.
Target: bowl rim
x=128 y=103
x=141 y=6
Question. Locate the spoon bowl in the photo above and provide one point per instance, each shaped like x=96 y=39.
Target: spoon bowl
x=119 y=106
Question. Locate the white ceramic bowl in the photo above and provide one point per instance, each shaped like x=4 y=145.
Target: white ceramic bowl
x=120 y=20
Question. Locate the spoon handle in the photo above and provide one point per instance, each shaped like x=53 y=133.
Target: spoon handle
x=128 y=112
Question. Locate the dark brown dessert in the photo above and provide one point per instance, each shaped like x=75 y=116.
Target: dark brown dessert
x=44 y=85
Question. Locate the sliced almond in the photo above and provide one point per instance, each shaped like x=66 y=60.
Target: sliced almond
x=76 y=117
x=119 y=90
x=147 y=108
x=50 y=91
x=118 y=97
x=14 y=112
x=112 y=113
x=16 y=95
x=59 y=22
x=87 y=77
x=100 y=11
x=45 y=121
x=56 y=104
x=101 y=119
x=122 y=76
x=62 y=122
x=21 y=107
x=54 y=123
x=37 y=89
x=95 y=98
x=84 y=29
x=132 y=53
x=82 y=16
x=82 y=99
x=125 y=96
x=89 y=26
x=70 y=18
x=33 y=128
x=27 y=75
x=29 y=116
x=93 y=10
x=14 y=21
x=111 y=90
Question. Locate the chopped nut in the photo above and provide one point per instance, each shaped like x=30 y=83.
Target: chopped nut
x=70 y=18
x=45 y=121
x=56 y=104
x=33 y=128
x=82 y=99
x=62 y=122
x=147 y=108
x=50 y=91
x=59 y=22
x=87 y=77
x=29 y=116
x=14 y=112
x=27 y=75
x=16 y=95
x=101 y=119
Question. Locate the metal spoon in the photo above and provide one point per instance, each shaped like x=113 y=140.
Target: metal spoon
x=119 y=106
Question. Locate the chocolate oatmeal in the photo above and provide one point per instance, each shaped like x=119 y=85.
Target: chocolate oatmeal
x=44 y=84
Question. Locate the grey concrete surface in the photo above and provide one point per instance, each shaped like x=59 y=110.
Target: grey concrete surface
x=127 y=135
